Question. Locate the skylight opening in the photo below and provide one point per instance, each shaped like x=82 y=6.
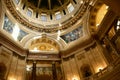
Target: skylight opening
x=70 y=8
x=17 y=1
x=58 y=15
x=43 y=17
x=29 y=12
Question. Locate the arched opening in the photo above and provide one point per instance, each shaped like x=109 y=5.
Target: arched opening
x=44 y=44
x=86 y=71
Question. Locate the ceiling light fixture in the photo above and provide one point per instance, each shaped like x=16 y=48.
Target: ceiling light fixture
x=81 y=2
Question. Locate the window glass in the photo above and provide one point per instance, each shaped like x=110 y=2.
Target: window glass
x=29 y=13
x=74 y=35
x=70 y=8
x=21 y=35
x=17 y=1
x=8 y=25
x=44 y=17
x=13 y=29
x=58 y=16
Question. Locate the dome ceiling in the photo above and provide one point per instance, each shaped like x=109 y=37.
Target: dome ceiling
x=30 y=13
x=64 y=34
x=48 y=5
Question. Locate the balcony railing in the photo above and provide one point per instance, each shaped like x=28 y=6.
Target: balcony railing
x=113 y=66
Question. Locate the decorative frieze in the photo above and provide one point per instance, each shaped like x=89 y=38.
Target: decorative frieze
x=31 y=25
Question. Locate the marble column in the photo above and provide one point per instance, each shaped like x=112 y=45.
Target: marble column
x=34 y=71
x=54 y=71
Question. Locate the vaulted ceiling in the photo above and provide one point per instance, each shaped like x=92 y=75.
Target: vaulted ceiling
x=36 y=18
x=48 y=4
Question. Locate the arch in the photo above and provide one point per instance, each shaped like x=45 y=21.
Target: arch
x=85 y=70
x=96 y=16
x=44 y=44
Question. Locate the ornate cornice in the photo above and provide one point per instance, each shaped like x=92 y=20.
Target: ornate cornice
x=71 y=51
x=6 y=42
x=43 y=56
x=45 y=40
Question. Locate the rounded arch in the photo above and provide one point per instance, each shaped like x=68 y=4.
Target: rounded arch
x=97 y=14
x=44 y=44
x=86 y=70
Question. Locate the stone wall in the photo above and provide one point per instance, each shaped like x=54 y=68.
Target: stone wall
x=84 y=63
x=15 y=65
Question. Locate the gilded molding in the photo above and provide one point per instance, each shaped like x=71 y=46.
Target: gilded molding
x=21 y=19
